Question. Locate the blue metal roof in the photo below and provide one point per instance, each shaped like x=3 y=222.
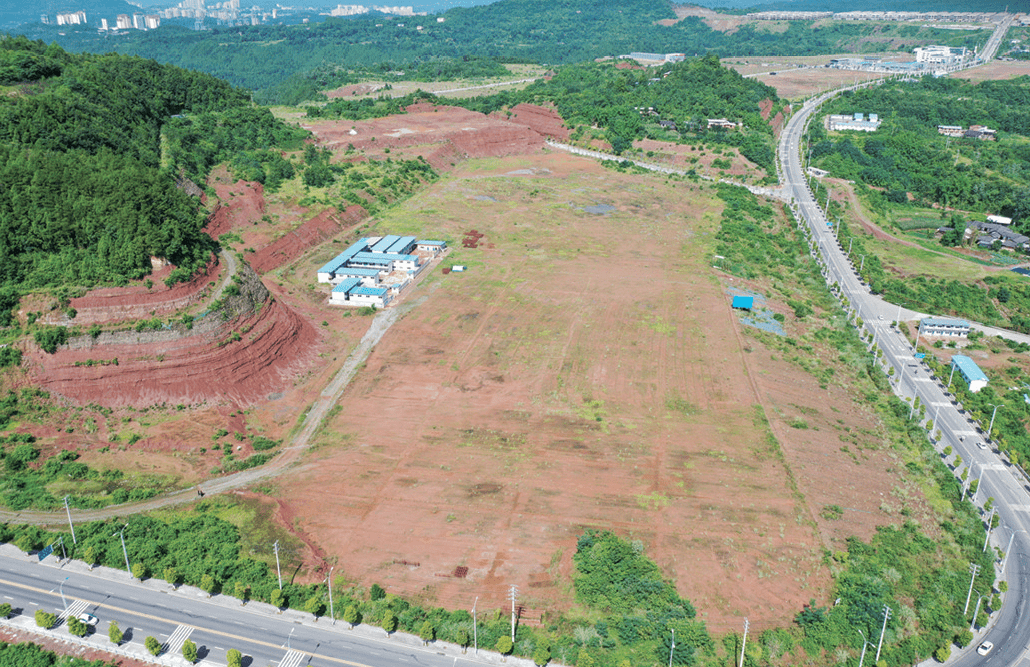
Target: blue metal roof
x=344 y=257
x=382 y=256
x=347 y=285
x=382 y=244
x=943 y=322
x=427 y=242
x=369 y=291
x=968 y=368
x=403 y=244
x=743 y=302
x=348 y=271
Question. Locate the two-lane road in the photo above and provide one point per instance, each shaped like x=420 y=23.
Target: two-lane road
x=1010 y=630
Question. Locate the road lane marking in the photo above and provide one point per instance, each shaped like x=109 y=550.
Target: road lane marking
x=160 y=619
x=74 y=609
x=177 y=638
x=292 y=658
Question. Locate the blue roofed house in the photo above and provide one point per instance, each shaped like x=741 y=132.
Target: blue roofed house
x=970 y=371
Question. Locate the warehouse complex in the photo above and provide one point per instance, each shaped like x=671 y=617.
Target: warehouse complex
x=373 y=271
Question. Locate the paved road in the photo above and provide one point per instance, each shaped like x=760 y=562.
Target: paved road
x=215 y=624
x=1010 y=630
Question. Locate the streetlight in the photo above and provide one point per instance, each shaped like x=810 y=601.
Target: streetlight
x=61 y=590
x=672 y=646
x=995 y=412
x=972 y=624
x=987 y=537
x=1008 y=549
x=475 y=626
x=125 y=553
x=329 y=580
x=865 y=645
x=973 y=569
x=883 y=630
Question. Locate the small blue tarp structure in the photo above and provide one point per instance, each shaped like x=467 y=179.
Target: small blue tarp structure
x=743 y=302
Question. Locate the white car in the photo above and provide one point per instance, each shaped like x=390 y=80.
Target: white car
x=88 y=619
x=981 y=445
x=985 y=648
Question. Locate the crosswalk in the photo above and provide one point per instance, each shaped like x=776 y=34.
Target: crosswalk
x=174 y=642
x=292 y=659
x=74 y=609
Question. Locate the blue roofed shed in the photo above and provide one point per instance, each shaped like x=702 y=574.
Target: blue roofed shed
x=744 y=302
x=970 y=371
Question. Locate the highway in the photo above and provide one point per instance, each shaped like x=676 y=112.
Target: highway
x=1010 y=629
x=215 y=624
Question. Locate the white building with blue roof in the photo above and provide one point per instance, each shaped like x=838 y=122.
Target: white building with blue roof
x=369 y=296
x=970 y=371
x=342 y=290
x=943 y=326
x=360 y=272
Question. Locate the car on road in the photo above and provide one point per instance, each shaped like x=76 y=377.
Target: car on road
x=981 y=445
x=985 y=648
x=88 y=619
x=881 y=317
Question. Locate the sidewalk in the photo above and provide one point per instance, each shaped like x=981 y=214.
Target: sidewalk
x=135 y=650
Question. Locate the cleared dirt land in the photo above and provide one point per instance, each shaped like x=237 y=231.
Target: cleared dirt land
x=586 y=371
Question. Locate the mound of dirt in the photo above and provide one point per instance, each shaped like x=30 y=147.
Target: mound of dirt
x=276 y=344
x=250 y=348
x=290 y=246
x=138 y=301
x=239 y=202
x=541 y=119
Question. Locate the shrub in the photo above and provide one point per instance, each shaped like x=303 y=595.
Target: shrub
x=45 y=620
x=114 y=633
x=5 y=610
x=76 y=627
x=376 y=592
x=189 y=651
x=504 y=645
x=50 y=338
x=389 y=622
x=233 y=658
x=153 y=646
x=942 y=654
x=427 y=632
x=139 y=570
x=352 y=615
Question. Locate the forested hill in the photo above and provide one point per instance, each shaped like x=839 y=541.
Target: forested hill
x=263 y=58
x=83 y=196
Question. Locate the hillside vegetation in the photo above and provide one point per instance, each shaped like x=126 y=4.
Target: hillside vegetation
x=274 y=60
x=85 y=198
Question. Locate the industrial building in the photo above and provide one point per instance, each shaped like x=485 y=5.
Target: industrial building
x=940 y=55
x=970 y=371
x=943 y=326
x=855 y=121
x=373 y=271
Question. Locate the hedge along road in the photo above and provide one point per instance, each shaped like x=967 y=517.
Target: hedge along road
x=381 y=323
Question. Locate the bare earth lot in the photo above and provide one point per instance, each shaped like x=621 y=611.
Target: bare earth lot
x=585 y=372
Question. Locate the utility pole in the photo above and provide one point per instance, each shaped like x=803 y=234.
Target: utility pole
x=973 y=569
x=886 y=615
x=513 y=594
x=475 y=627
x=987 y=537
x=952 y=374
x=849 y=245
x=329 y=580
x=278 y=572
x=70 y=526
x=743 y=644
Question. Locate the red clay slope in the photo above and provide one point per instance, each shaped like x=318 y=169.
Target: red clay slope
x=191 y=369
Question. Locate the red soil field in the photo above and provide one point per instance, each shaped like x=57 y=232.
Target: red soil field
x=585 y=372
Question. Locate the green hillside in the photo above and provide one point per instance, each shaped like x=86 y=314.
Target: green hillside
x=272 y=59
x=84 y=197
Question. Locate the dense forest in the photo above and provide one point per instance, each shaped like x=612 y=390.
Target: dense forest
x=907 y=155
x=84 y=197
x=264 y=58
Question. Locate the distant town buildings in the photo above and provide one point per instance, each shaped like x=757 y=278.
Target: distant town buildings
x=943 y=17
x=354 y=10
x=855 y=121
x=722 y=123
x=72 y=18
